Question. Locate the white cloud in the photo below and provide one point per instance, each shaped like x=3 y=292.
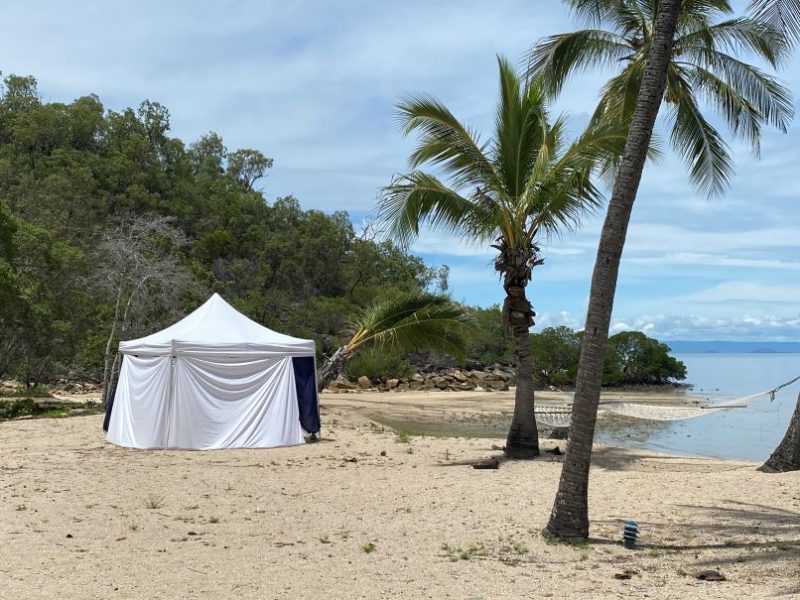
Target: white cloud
x=748 y=291
x=619 y=326
x=701 y=327
x=717 y=260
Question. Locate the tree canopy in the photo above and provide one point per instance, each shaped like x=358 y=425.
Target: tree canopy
x=98 y=206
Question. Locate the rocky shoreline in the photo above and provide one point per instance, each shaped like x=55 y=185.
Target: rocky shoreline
x=496 y=378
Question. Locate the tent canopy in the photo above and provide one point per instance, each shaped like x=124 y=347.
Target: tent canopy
x=214 y=379
x=218 y=327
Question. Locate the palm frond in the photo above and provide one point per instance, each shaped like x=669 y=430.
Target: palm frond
x=698 y=13
x=782 y=14
x=737 y=35
x=618 y=98
x=556 y=57
x=419 y=198
x=696 y=140
x=411 y=322
x=773 y=100
x=565 y=191
x=562 y=203
x=743 y=117
x=626 y=17
x=444 y=141
x=521 y=129
x=590 y=11
x=704 y=64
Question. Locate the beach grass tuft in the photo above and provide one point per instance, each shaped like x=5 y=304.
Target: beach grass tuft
x=368 y=548
x=153 y=502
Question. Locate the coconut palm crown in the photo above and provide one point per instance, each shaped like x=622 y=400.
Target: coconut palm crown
x=704 y=69
x=524 y=184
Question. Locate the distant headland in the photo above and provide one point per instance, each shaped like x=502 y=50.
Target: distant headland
x=720 y=347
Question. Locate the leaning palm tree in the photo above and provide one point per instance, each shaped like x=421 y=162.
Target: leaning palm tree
x=509 y=192
x=702 y=69
x=667 y=36
x=785 y=15
x=405 y=323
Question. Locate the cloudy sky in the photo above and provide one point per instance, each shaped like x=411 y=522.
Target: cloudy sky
x=313 y=84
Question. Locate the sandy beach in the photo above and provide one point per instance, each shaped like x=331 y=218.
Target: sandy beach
x=367 y=514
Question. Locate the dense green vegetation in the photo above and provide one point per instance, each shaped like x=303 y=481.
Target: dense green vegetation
x=632 y=358
x=110 y=229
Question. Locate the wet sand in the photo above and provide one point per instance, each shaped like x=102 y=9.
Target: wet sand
x=479 y=414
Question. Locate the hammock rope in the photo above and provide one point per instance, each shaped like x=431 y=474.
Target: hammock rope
x=561 y=416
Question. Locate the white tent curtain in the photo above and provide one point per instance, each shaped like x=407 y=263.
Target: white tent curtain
x=234 y=402
x=205 y=404
x=141 y=407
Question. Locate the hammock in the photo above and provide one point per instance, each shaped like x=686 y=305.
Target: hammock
x=561 y=416
x=553 y=415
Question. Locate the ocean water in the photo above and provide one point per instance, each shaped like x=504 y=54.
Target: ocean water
x=750 y=433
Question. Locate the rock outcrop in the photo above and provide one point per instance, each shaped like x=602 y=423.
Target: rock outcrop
x=493 y=378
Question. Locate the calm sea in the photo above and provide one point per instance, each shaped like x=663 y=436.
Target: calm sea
x=743 y=433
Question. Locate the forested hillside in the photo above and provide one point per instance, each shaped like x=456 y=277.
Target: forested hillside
x=110 y=228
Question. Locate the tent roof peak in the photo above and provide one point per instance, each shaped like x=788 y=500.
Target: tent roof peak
x=215 y=327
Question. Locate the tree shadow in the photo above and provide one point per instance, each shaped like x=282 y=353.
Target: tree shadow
x=546 y=455
x=472 y=462
x=623 y=459
x=733 y=533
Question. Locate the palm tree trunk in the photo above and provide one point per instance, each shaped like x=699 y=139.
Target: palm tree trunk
x=332 y=367
x=787 y=455
x=569 y=519
x=523 y=435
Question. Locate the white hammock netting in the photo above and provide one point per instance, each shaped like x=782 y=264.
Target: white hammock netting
x=558 y=415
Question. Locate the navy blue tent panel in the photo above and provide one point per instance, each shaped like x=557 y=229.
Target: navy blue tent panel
x=306 y=383
x=107 y=419
x=110 y=402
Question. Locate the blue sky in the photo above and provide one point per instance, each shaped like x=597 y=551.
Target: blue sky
x=313 y=85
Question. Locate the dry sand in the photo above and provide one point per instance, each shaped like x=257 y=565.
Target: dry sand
x=296 y=522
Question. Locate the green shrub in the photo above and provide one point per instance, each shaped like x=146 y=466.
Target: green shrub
x=378 y=364
x=18 y=408
x=368 y=548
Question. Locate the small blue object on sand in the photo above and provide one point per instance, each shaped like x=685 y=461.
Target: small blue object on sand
x=629 y=533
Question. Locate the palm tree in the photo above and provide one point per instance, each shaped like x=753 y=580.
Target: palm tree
x=701 y=69
x=668 y=35
x=508 y=192
x=406 y=323
x=785 y=15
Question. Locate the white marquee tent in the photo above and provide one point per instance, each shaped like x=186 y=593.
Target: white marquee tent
x=214 y=379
